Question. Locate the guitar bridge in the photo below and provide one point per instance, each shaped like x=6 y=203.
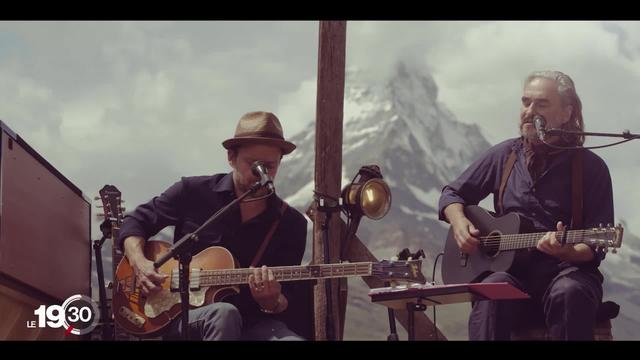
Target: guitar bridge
x=133 y=318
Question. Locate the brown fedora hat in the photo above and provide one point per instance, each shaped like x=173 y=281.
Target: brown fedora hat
x=259 y=127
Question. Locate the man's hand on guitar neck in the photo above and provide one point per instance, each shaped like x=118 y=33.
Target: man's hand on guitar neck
x=147 y=276
x=266 y=291
x=463 y=230
x=550 y=244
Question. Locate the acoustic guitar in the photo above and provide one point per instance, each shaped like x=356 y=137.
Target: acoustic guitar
x=213 y=276
x=500 y=237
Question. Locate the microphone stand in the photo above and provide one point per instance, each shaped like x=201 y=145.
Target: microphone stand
x=328 y=205
x=628 y=136
x=625 y=134
x=182 y=251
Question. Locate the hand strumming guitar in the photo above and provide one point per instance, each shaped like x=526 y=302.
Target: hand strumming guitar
x=147 y=276
x=464 y=231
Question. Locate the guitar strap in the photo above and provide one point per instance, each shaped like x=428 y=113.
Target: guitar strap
x=269 y=235
x=508 y=166
x=576 y=186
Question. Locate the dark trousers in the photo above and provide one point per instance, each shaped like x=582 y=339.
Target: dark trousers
x=222 y=321
x=567 y=306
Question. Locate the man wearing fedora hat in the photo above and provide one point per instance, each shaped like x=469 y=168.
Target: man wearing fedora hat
x=262 y=231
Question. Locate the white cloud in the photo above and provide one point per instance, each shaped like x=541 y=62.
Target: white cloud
x=298 y=108
x=480 y=67
x=139 y=104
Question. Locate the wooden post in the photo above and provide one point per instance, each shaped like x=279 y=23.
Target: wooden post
x=423 y=326
x=328 y=161
x=356 y=252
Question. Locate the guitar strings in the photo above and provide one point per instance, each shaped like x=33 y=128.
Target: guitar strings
x=523 y=239
x=283 y=273
x=516 y=237
x=235 y=276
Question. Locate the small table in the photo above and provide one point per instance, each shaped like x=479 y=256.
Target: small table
x=417 y=297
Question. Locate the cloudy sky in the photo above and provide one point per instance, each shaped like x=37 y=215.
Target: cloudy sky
x=139 y=104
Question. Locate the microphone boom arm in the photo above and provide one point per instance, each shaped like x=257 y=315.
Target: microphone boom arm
x=625 y=134
x=628 y=136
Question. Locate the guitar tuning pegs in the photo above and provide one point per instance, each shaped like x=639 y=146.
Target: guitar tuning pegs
x=99 y=206
x=100 y=215
x=96 y=197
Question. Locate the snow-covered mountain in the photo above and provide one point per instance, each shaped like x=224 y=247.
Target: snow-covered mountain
x=401 y=127
x=420 y=146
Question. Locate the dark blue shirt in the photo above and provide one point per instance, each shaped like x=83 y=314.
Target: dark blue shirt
x=543 y=202
x=192 y=200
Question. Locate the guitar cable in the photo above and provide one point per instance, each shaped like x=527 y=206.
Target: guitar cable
x=433 y=278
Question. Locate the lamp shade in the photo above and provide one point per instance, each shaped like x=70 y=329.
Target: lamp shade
x=372 y=199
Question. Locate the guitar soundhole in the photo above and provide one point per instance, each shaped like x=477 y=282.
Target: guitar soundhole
x=491 y=244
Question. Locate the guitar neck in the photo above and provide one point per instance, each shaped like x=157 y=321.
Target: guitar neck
x=530 y=240
x=116 y=253
x=287 y=273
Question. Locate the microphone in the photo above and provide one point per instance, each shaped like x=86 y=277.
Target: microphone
x=540 y=124
x=260 y=171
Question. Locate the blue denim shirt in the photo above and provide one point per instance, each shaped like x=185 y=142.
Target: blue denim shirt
x=545 y=201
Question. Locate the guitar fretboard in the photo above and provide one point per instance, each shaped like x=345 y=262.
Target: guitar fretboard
x=286 y=273
x=523 y=241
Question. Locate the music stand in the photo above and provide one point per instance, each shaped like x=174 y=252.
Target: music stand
x=417 y=297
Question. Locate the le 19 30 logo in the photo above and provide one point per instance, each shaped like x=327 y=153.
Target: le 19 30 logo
x=78 y=315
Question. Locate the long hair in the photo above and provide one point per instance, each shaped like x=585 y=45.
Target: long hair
x=569 y=96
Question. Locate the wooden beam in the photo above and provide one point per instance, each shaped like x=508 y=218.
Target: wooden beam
x=357 y=251
x=328 y=162
x=423 y=326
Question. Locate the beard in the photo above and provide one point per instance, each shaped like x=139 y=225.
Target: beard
x=528 y=132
